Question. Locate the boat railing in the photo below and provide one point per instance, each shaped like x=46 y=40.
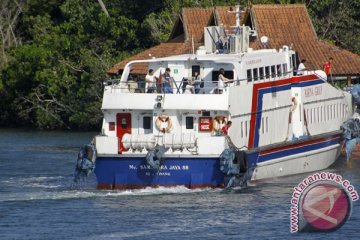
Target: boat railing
x=319 y=73
x=186 y=86
x=179 y=87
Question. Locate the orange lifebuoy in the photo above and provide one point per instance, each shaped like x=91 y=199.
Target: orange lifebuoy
x=163 y=119
x=218 y=123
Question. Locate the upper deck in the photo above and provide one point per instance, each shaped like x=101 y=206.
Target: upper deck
x=242 y=69
x=114 y=101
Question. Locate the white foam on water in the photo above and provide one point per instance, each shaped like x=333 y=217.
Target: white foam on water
x=81 y=194
x=36 y=182
x=157 y=191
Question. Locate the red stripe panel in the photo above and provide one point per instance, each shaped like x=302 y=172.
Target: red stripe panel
x=298 y=145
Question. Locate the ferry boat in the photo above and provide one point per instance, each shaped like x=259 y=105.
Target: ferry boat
x=283 y=123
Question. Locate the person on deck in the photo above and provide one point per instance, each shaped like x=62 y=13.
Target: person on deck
x=150 y=80
x=222 y=80
x=225 y=129
x=196 y=82
x=327 y=67
x=301 y=67
x=168 y=81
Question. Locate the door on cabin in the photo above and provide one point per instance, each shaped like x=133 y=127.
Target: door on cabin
x=123 y=126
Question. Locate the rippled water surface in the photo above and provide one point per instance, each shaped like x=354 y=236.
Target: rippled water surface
x=39 y=201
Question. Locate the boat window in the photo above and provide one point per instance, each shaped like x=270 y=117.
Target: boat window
x=261 y=73
x=267 y=72
x=345 y=110
x=147 y=122
x=246 y=128
x=330 y=112
x=318 y=114
x=124 y=123
x=189 y=122
x=278 y=67
x=267 y=124
x=285 y=69
x=293 y=63
x=248 y=75
x=341 y=111
x=111 y=126
x=327 y=113
x=227 y=74
x=255 y=74
x=313 y=119
x=273 y=73
x=196 y=68
x=206 y=113
x=336 y=111
x=242 y=131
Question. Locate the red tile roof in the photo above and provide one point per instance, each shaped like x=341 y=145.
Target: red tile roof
x=291 y=25
x=225 y=16
x=283 y=24
x=194 y=20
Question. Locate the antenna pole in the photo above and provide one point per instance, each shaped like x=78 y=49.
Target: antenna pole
x=237 y=10
x=192 y=43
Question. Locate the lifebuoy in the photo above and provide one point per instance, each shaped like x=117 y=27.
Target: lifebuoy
x=294 y=104
x=218 y=123
x=161 y=120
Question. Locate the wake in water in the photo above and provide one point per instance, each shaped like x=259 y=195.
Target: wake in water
x=60 y=187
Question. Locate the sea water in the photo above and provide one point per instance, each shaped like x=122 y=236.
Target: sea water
x=38 y=200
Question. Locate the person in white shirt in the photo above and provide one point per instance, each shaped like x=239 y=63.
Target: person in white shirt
x=150 y=79
x=301 y=67
x=197 y=82
x=222 y=80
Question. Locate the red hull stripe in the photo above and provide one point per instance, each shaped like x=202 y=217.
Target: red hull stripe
x=298 y=145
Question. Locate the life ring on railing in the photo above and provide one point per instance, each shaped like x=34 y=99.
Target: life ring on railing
x=218 y=122
x=163 y=119
x=294 y=104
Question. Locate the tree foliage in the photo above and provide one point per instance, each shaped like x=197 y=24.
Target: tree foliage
x=54 y=53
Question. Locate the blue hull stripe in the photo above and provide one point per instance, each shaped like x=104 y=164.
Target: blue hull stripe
x=297 y=150
x=190 y=171
x=184 y=171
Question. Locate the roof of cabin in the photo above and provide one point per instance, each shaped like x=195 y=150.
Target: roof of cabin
x=283 y=24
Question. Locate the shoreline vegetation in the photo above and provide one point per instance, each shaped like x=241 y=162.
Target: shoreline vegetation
x=54 y=54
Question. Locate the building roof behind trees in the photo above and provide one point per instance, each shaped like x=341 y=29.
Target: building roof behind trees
x=283 y=24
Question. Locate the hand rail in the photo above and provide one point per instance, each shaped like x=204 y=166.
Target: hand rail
x=180 y=87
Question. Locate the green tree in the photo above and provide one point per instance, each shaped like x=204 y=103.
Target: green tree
x=54 y=53
x=54 y=78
